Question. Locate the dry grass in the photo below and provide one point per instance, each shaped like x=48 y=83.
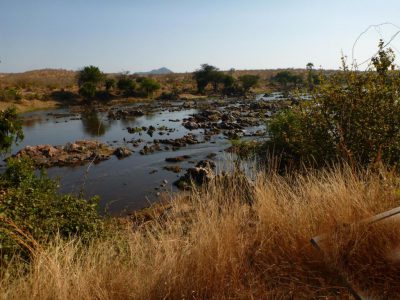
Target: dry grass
x=29 y=105
x=40 y=84
x=236 y=240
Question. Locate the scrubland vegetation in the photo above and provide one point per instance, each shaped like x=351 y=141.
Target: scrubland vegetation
x=235 y=239
x=36 y=89
x=328 y=164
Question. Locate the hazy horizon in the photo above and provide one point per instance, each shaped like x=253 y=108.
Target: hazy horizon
x=138 y=36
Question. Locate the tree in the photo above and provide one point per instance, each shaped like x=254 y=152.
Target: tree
x=90 y=74
x=88 y=90
x=286 y=80
x=88 y=80
x=10 y=129
x=312 y=78
x=109 y=84
x=205 y=75
x=248 y=81
x=148 y=86
x=126 y=85
x=229 y=83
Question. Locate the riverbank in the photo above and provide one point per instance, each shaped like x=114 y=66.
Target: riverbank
x=238 y=239
x=23 y=106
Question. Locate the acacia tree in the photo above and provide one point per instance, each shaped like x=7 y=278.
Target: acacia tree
x=205 y=75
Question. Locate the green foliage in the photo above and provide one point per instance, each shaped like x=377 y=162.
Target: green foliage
x=312 y=78
x=10 y=129
x=148 y=86
x=230 y=86
x=355 y=116
x=109 y=84
x=10 y=94
x=205 y=75
x=169 y=96
x=88 y=90
x=90 y=74
x=248 y=82
x=126 y=85
x=88 y=80
x=32 y=203
x=287 y=80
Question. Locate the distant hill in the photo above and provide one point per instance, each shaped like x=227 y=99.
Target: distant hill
x=159 y=71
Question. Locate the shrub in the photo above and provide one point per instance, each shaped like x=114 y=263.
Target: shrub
x=63 y=95
x=88 y=80
x=205 y=75
x=10 y=94
x=88 y=90
x=355 y=116
x=148 y=86
x=90 y=74
x=248 y=82
x=168 y=96
x=109 y=84
x=32 y=203
x=126 y=85
x=286 y=80
x=10 y=129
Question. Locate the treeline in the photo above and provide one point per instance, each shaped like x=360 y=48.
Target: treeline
x=227 y=83
x=222 y=82
x=94 y=84
x=90 y=83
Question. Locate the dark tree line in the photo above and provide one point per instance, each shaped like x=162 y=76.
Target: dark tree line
x=209 y=75
x=95 y=84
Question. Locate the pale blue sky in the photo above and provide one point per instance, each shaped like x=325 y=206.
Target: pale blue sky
x=123 y=35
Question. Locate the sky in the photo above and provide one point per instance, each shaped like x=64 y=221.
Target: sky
x=130 y=35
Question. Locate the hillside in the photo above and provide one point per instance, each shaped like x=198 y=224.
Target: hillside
x=160 y=71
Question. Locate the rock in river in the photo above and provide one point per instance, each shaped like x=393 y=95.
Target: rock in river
x=77 y=153
x=122 y=152
x=202 y=173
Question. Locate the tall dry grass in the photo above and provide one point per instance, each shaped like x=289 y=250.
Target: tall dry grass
x=235 y=240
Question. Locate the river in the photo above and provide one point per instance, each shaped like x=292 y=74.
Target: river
x=136 y=181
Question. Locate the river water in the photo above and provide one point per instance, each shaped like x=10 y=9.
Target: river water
x=130 y=183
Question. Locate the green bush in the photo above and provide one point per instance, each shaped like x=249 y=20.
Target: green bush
x=126 y=85
x=10 y=94
x=148 y=86
x=32 y=203
x=89 y=78
x=90 y=74
x=286 y=81
x=248 y=81
x=10 y=129
x=355 y=116
x=205 y=75
x=109 y=84
x=88 y=90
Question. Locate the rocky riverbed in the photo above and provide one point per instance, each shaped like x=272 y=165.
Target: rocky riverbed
x=136 y=147
x=71 y=154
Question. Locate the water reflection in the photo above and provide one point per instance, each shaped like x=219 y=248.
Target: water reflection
x=31 y=121
x=94 y=124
